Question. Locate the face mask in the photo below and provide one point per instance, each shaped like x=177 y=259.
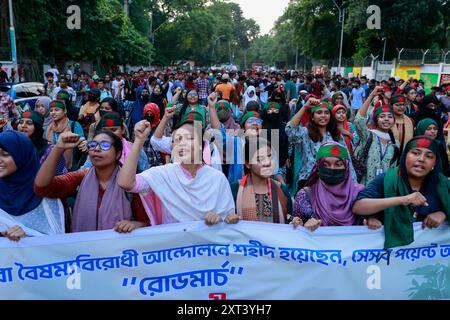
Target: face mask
x=223 y=115
x=273 y=117
x=103 y=112
x=331 y=176
x=149 y=117
x=145 y=97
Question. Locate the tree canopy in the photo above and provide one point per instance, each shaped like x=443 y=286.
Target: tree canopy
x=215 y=31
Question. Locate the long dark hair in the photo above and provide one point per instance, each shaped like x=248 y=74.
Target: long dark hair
x=177 y=119
x=314 y=132
x=38 y=141
x=112 y=102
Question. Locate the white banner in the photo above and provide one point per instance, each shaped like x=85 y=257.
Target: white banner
x=245 y=261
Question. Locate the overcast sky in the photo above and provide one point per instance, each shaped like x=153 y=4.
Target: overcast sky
x=265 y=12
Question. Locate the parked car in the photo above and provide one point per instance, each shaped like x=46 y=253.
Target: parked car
x=24 y=94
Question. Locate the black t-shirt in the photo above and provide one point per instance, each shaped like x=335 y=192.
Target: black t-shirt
x=375 y=190
x=3 y=76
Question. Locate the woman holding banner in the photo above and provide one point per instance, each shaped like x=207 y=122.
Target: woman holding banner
x=185 y=190
x=259 y=197
x=22 y=212
x=329 y=192
x=414 y=191
x=100 y=203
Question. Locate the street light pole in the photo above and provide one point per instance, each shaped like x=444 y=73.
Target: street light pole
x=214 y=45
x=384 y=49
x=341 y=19
x=12 y=34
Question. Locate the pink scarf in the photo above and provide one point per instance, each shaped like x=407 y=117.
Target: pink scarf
x=115 y=205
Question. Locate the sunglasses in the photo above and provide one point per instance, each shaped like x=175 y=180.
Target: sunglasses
x=104 y=145
x=252 y=121
x=192 y=94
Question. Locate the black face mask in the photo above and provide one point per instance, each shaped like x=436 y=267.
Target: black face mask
x=145 y=97
x=149 y=117
x=331 y=177
x=273 y=117
x=103 y=112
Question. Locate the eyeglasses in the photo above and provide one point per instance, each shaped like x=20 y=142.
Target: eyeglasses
x=252 y=121
x=192 y=94
x=270 y=111
x=104 y=145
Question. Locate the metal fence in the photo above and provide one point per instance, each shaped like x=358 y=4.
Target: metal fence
x=422 y=56
x=404 y=56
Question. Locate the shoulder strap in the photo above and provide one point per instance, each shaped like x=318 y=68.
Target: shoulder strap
x=274 y=200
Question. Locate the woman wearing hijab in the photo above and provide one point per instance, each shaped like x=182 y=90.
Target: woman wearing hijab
x=30 y=124
x=347 y=129
x=273 y=123
x=258 y=197
x=404 y=128
x=42 y=106
x=158 y=97
x=326 y=199
x=152 y=115
x=224 y=113
x=378 y=149
x=142 y=98
x=100 y=203
x=431 y=108
x=249 y=95
x=429 y=127
x=22 y=211
x=414 y=191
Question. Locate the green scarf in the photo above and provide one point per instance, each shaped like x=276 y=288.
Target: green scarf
x=398 y=221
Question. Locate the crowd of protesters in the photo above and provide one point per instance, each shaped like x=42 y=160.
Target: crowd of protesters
x=138 y=149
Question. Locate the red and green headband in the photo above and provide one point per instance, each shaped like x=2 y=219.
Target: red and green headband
x=33 y=115
x=423 y=142
x=398 y=98
x=191 y=117
x=332 y=150
x=223 y=104
x=271 y=105
x=108 y=121
x=57 y=104
x=380 y=110
x=323 y=104
x=250 y=114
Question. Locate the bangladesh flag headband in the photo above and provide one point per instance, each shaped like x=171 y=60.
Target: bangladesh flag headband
x=323 y=104
x=332 y=150
x=423 y=142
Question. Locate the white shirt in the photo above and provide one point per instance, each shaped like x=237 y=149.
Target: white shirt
x=116 y=87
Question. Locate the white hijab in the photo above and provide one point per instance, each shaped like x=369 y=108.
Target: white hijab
x=247 y=97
